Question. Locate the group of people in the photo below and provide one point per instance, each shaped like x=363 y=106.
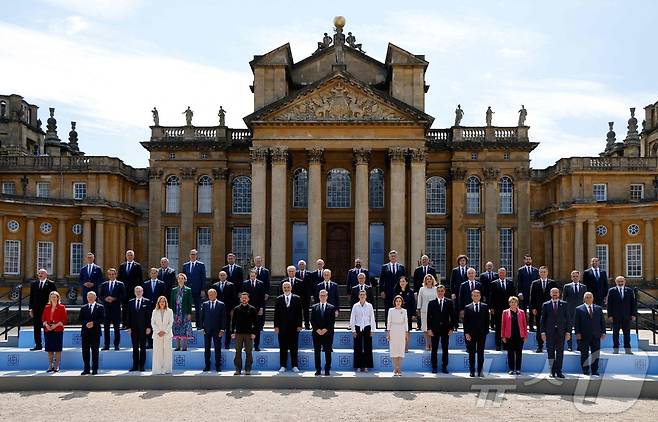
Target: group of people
x=158 y=311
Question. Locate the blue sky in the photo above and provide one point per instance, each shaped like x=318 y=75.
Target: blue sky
x=575 y=65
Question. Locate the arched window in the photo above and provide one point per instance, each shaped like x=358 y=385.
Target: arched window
x=339 y=189
x=172 y=197
x=3 y=109
x=241 y=195
x=472 y=195
x=300 y=189
x=376 y=189
x=204 y=195
x=435 y=195
x=506 y=192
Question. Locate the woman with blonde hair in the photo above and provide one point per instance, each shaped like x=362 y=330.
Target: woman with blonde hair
x=53 y=319
x=181 y=301
x=514 y=332
x=426 y=293
x=162 y=320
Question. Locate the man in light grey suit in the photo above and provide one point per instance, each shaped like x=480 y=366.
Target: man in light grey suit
x=573 y=293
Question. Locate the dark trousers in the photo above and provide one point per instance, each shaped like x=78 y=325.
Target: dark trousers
x=444 y=349
x=323 y=342
x=90 y=343
x=363 y=348
x=306 y=304
x=476 y=346
x=498 y=324
x=196 y=297
x=288 y=341
x=525 y=304
x=260 y=323
x=514 y=347
x=540 y=342
x=585 y=346
x=555 y=349
x=208 y=340
x=227 y=333
x=38 y=325
x=625 y=326
x=139 y=348
x=112 y=316
x=243 y=341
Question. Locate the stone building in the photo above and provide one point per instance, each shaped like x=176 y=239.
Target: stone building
x=338 y=161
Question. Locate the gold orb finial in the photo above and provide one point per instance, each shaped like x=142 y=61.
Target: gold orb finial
x=339 y=21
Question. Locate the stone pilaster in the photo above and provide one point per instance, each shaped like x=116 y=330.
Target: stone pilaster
x=617 y=251
x=565 y=261
x=490 y=241
x=315 y=156
x=555 y=250
x=458 y=232
x=361 y=207
x=279 y=208
x=578 y=260
x=648 y=255
x=397 y=202
x=100 y=242
x=219 y=219
x=62 y=250
x=122 y=247
x=522 y=207
x=187 y=208
x=591 y=241
x=258 y=197
x=30 y=248
x=86 y=236
x=155 y=245
x=418 y=209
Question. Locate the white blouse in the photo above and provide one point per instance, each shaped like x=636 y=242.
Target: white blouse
x=425 y=294
x=362 y=316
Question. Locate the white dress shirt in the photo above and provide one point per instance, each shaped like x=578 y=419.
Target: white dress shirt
x=362 y=316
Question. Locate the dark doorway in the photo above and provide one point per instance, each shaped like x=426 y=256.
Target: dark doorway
x=338 y=251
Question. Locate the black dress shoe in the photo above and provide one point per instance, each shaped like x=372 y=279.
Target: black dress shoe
x=257 y=349
x=206 y=369
x=539 y=350
x=596 y=374
x=85 y=372
x=480 y=374
x=444 y=370
x=218 y=369
x=629 y=352
x=560 y=375
x=327 y=372
x=141 y=369
x=133 y=369
x=94 y=372
x=498 y=348
x=177 y=349
x=116 y=347
x=105 y=348
x=434 y=370
x=472 y=375
x=37 y=347
x=615 y=351
x=317 y=373
x=585 y=372
x=552 y=375
x=569 y=349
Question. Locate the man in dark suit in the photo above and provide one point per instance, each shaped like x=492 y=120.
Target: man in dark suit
x=458 y=276
x=306 y=293
x=501 y=290
x=90 y=317
x=572 y=293
x=331 y=288
x=263 y=274
x=596 y=281
x=39 y=293
x=555 y=328
x=234 y=271
x=486 y=280
x=130 y=273
x=388 y=280
x=167 y=275
x=622 y=308
x=421 y=271
x=227 y=293
x=256 y=290
x=589 y=326
x=153 y=289
x=139 y=326
x=476 y=328
x=316 y=277
x=524 y=278
x=195 y=271
x=466 y=289
x=287 y=325
x=540 y=292
x=361 y=285
x=112 y=294
x=353 y=274
x=213 y=325
x=323 y=320
x=296 y=283
x=91 y=276
x=440 y=321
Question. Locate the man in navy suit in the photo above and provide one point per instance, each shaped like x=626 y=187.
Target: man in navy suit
x=466 y=289
x=540 y=292
x=90 y=318
x=307 y=292
x=361 y=285
x=130 y=273
x=154 y=287
x=388 y=280
x=112 y=294
x=167 y=275
x=331 y=288
x=40 y=290
x=501 y=290
x=421 y=271
x=440 y=321
x=317 y=277
x=323 y=319
x=555 y=328
x=458 y=276
x=139 y=326
x=476 y=328
x=263 y=274
x=234 y=271
x=622 y=308
x=596 y=281
x=256 y=290
x=353 y=274
x=524 y=278
x=487 y=278
x=287 y=325
x=572 y=293
x=213 y=325
x=91 y=276
x=227 y=293
x=589 y=327
x=196 y=279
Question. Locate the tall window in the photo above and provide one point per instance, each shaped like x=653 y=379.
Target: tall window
x=172 y=240
x=43 y=189
x=241 y=244
x=435 y=195
x=339 y=189
x=473 y=247
x=12 y=256
x=637 y=192
x=602 y=254
x=300 y=189
x=634 y=260
x=600 y=192
x=203 y=247
x=472 y=195
x=79 y=191
x=241 y=195
x=77 y=259
x=172 y=195
x=299 y=242
x=204 y=195
x=376 y=250
x=506 y=249
x=9 y=188
x=506 y=192
x=45 y=256
x=376 y=189
x=435 y=241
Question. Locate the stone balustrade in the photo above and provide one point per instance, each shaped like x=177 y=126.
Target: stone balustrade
x=574 y=164
x=201 y=133
x=478 y=134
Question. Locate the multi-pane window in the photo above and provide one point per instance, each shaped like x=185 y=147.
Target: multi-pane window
x=299 y=242
x=376 y=189
x=172 y=240
x=43 y=189
x=506 y=195
x=172 y=195
x=12 y=256
x=435 y=195
x=473 y=247
x=435 y=241
x=300 y=189
x=506 y=248
x=376 y=250
x=79 y=191
x=241 y=245
x=77 y=258
x=634 y=260
x=637 y=192
x=241 y=195
x=339 y=189
x=9 y=188
x=472 y=195
x=204 y=195
x=203 y=247
x=45 y=256
x=600 y=192
x=601 y=252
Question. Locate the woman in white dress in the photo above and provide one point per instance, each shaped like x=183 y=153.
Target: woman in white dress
x=397 y=333
x=162 y=320
x=426 y=293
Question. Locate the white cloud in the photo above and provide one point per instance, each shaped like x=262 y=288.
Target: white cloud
x=106 y=9
x=72 y=25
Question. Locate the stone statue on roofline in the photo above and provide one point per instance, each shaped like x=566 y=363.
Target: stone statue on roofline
x=188 y=116
x=523 y=113
x=459 y=115
x=156 y=117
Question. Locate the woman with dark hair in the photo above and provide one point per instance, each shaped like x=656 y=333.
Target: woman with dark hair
x=362 y=325
x=408 y=301
x=397 y=333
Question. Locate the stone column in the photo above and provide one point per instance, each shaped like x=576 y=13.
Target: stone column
x=591 y=241
x=457 y=210
x=155 y=244
x=418 y=209
x=565 y=265
x=86 y=236
x=548 y=246
x=29 y=270
x=522 y=205
x=617 y=251
x=62 y=250
x=555 y=252
x=100 y=242
x=219 y=219
x=361 y=204
x=578 y=259
x=259 y=198
x=123 y=247
x=278 y=215
x=314 y=205
x=397 y=202
x=130 y=241
x=491 y=243
x=187 y=208
x=648 y=255
x=117 y=253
